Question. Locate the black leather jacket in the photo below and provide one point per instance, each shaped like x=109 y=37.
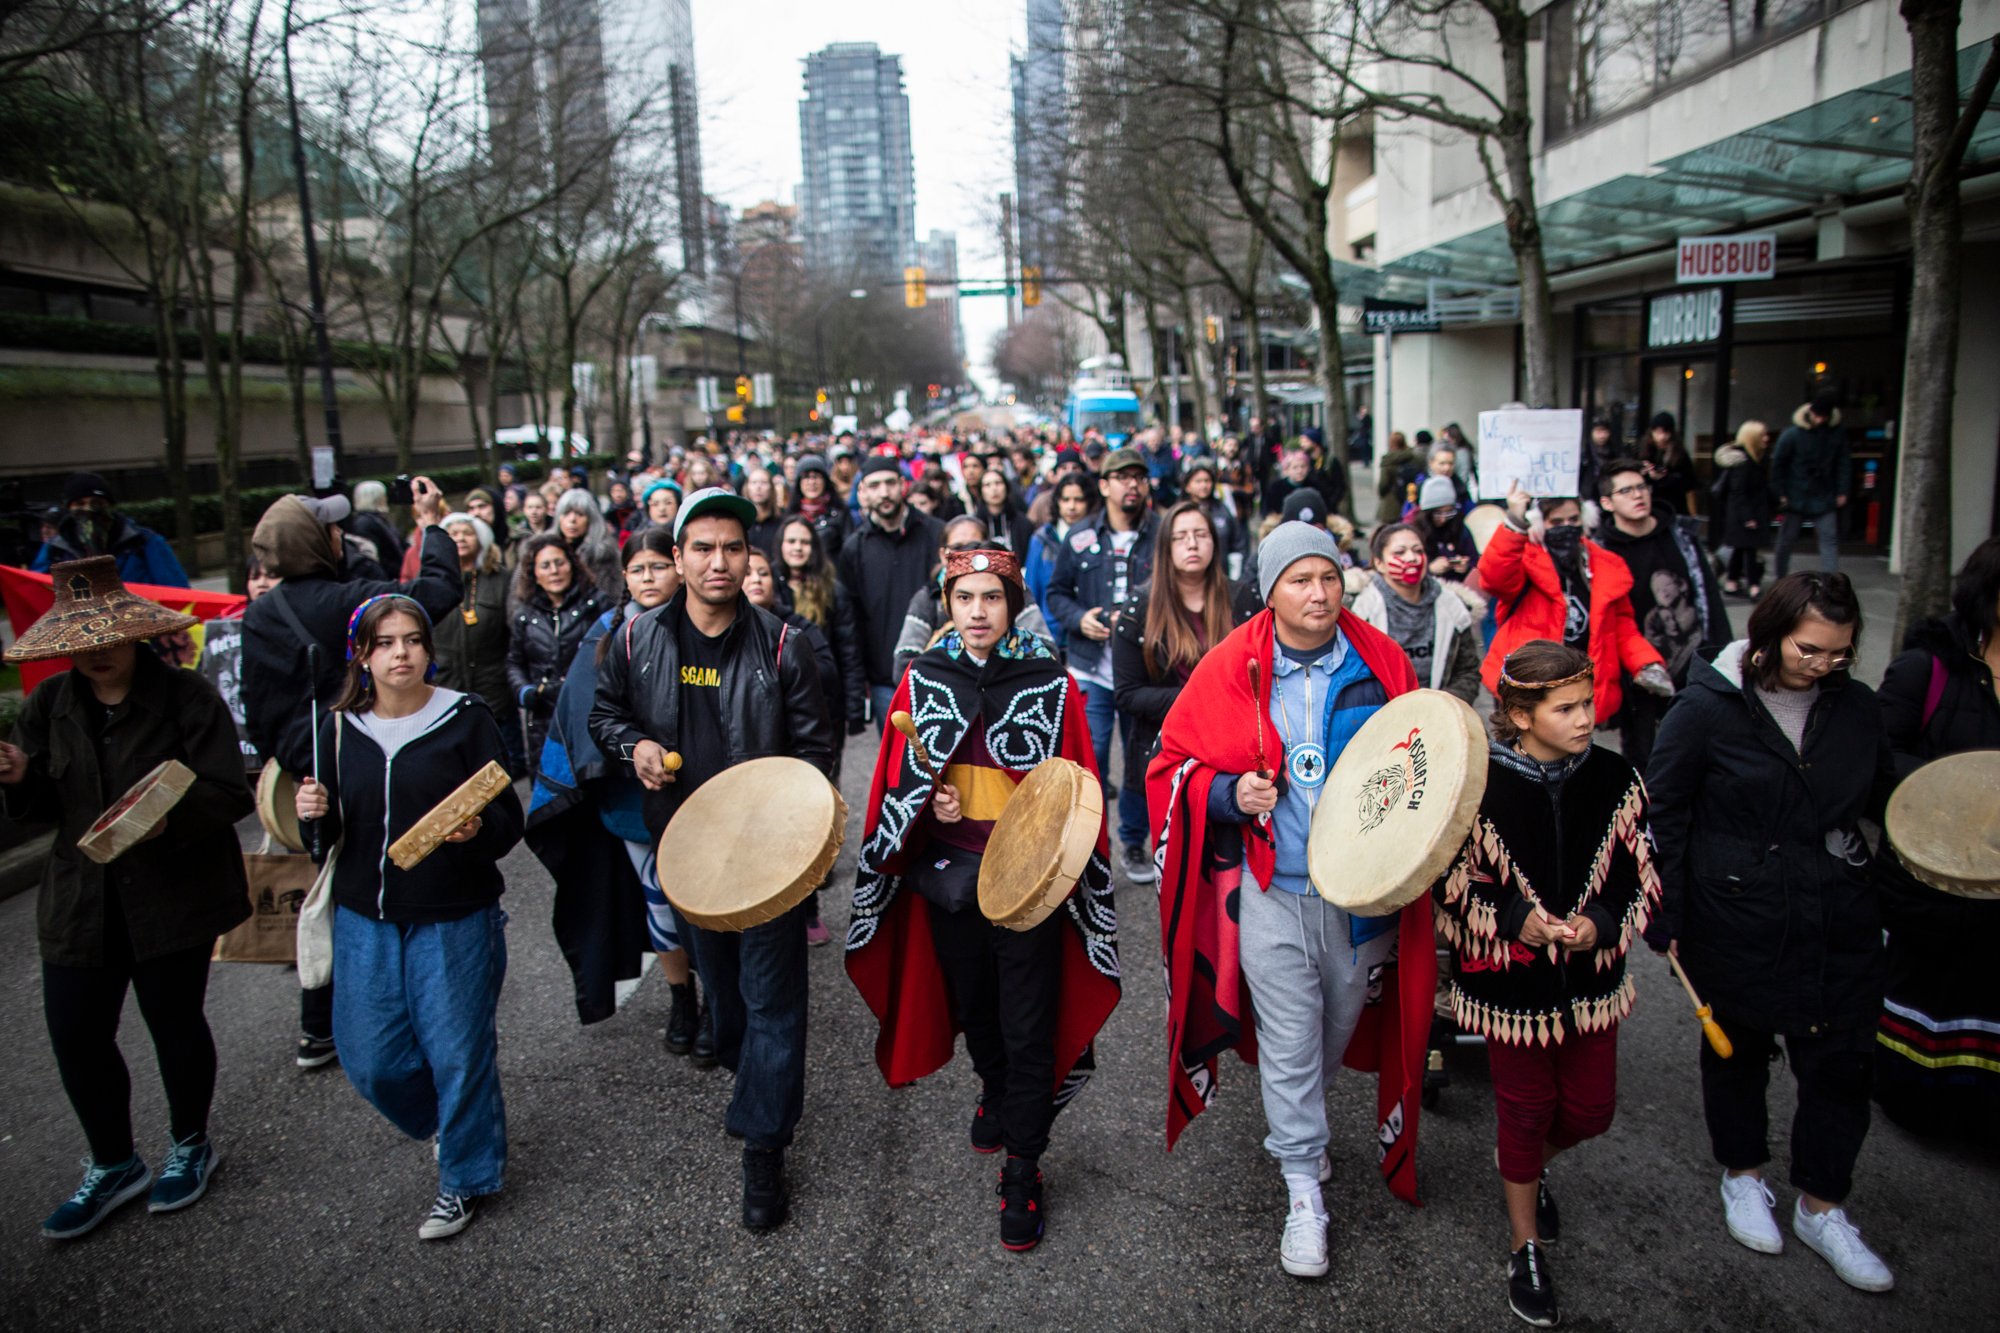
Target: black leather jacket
x=772 y=703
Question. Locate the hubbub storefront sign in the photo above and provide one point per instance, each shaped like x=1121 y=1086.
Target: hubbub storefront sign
x=1747 y=258
x=1677 y=319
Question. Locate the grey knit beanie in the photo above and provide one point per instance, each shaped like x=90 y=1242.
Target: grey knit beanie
x=1288 y=544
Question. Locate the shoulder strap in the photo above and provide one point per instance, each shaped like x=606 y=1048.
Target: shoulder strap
x=783 y=631
x=291 y=617
x=1934 y=693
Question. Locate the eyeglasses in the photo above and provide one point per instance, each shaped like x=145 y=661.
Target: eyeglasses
x=1194 y=537
x=1637 y=488
x=1820 y=657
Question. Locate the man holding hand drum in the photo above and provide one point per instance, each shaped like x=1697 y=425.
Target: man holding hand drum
x=686 y=692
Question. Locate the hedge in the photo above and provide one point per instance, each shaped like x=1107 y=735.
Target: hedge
x=252 y=502
x=59 y=333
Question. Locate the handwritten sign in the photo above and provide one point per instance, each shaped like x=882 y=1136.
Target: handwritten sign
x=1541 y=449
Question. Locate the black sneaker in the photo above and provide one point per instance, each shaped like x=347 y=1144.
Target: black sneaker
x=766 y=1202
x=683 y=1018
x=1138 y=865
x=702 y=1056
x=1548 y=1221
x=985 y=1129
x=104 y=1190
x=1020 y=1204
x=1531 y=1288
x=316 y=1051
x=449 y=1215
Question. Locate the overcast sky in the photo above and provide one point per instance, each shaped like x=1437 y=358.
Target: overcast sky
x=748 y=65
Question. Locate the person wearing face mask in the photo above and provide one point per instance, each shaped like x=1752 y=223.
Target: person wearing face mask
x=91 y=526
x=1435 y=621
x=1548 y=581
x=1451 y=552
x=993 y=702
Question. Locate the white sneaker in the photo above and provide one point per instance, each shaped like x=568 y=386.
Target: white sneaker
x=1838 y=1241
x=1746 y=1206
x=1325 y=1167
x=1303 y=1251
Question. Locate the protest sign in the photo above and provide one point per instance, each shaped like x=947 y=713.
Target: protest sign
x=1540 y=448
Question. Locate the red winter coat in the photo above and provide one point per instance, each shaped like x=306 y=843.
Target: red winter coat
x=1520 y=578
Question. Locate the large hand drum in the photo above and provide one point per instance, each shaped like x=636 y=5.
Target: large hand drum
x=752 y=843
x=1398 y=803
x=1482 y=521
x=1040 y=844
x=1944 y=821
x=133 y=816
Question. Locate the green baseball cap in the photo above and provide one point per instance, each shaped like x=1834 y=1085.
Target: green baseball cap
x=1120 y=459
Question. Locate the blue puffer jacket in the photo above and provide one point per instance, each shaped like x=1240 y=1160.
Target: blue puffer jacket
x=143 y=555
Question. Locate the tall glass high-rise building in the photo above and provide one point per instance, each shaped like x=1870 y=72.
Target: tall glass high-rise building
x=858 y=199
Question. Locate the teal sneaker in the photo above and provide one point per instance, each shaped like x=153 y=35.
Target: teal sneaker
x=183 y=1176
x=103 y=1189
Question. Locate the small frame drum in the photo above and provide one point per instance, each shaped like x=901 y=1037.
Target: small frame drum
x=1482 y=521
x=1040 y=844
x=277 y=811
x=752 y=843
x=137 y=813
x=1944 y=822
x=1398 y=803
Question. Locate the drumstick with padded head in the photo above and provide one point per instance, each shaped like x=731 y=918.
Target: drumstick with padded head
x=906 y=724
x=1257 y=699
x=312 y=687
x=1717 y=1038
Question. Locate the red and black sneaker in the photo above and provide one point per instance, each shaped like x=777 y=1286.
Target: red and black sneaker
x=985 y=1130
x=1020 y=1204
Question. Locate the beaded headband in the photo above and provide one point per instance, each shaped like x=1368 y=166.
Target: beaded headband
x=354 y=621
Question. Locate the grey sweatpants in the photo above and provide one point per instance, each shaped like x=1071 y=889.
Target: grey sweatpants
x=1309 y=985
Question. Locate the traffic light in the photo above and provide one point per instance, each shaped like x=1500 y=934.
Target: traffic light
x=743 y=387
x=913 y=287
x=820 y=398
x=1208 y=327
x=1031 y=284
x=935 y=390
x=734 y=414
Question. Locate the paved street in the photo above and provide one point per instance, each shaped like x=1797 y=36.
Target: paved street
x=623 y=1192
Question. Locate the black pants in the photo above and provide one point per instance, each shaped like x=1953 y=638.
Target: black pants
x=316 y=1011
x=82 y=1006
x=1639 y=723
x=1833 y=1072
x=1003 y=986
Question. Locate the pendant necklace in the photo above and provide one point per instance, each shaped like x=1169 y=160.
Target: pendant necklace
x=1305 y=761
x=469 y=608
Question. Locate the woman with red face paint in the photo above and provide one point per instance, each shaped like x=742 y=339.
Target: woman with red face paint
x=1435 y=620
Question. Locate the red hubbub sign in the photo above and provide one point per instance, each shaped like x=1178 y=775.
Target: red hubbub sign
x=1727 y=258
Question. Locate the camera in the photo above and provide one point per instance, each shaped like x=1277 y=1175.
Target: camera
x=400 y=492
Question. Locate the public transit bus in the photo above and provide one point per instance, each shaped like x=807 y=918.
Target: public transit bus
x=1102 y=397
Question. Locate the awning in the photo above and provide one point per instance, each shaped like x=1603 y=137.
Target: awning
x=1852 y=145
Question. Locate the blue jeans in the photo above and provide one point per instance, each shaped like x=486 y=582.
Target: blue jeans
x=1826 y=528
x=1100 y=710
x=413 y=1014
x=756 y=984
x=878 y=703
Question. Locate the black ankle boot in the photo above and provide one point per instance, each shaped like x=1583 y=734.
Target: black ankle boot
x=766 y=1201
x=1020 y=1204
x=683 y=1018
x=703 y=1054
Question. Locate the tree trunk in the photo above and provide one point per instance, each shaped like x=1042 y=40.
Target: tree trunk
x=1333 y=380
x=1923 y=527
x=1524 y=224
x=1253 y=334
x=1196 y=378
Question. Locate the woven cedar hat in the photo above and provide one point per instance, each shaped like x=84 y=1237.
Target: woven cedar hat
x=94 y=611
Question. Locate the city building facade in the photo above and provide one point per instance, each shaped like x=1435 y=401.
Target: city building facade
x=858 y=195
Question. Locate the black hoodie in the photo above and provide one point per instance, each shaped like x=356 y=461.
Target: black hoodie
x=378 y=799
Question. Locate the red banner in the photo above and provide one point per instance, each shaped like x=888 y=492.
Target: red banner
x=30 y=595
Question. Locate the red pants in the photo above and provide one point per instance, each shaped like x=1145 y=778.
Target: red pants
x=1556 y=1095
